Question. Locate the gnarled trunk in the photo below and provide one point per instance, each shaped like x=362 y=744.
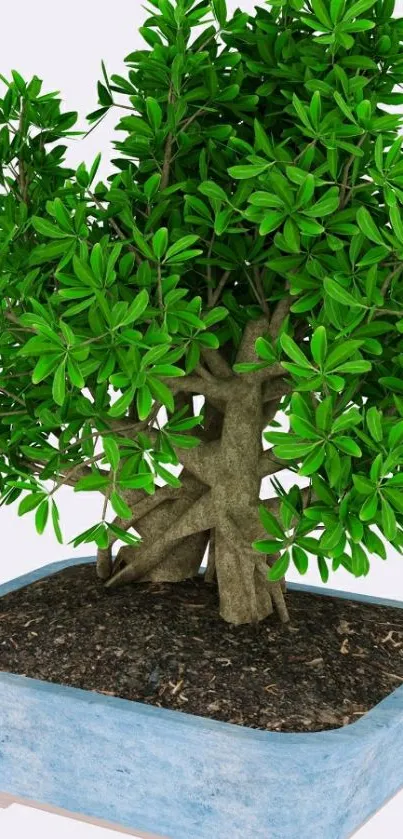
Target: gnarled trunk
x=219 y=502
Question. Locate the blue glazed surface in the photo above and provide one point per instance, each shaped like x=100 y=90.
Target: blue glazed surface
x=187 y=777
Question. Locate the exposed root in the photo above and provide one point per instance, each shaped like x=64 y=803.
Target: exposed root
x=197 y=518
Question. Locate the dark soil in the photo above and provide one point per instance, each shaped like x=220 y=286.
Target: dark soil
x=165 y=645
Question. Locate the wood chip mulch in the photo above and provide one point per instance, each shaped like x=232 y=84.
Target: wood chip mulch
x=165 y=645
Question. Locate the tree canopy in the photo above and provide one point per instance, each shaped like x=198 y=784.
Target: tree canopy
x=257 y=197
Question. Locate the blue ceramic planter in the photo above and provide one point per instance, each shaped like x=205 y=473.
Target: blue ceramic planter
x=186 y=777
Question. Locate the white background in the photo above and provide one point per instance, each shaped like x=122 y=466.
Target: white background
x=64 y=47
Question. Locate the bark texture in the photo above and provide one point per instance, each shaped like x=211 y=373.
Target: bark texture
x=217 y=504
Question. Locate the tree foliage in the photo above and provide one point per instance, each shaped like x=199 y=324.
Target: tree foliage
x=260 y=173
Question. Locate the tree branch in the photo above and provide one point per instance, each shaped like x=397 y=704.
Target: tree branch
x=218 y=291
x=211 y=388
x=116 y=228
x=346 y=171
x=253 y=330
x=278 y=316
x=168 y=149
x=269 y=464
x=276 y=385
x=217 y=363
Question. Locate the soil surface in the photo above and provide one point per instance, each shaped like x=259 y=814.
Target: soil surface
x=164 y=644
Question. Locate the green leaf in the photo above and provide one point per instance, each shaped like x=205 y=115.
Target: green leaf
x=279 y=569
x=338 y=293
x=324 y=414
x=359 y=559
x=368 y=226
x=140 y=481
x=395 y=497
x=374 y=543
x=59 y=384
x=181 y=245
x=293 y=451
x=19 y=81
x=322 y=490
x=152 y=186
x=262 y=142
x=321 y=12
x=376 y=470
x=137 y=307
x=41 y=516
x=300 y=559
x=123 y=535
x=313 y=461
x=183 y=441
x=120 y=506
x=272 y=220
x=395 y=437
x=396 y=221
x=341 y=353
x=359 y=366
x=270 y=523
x=160 y=242
x=91 y=483
x=154 y=113
x=344 y=107
x=264 y=350
x=44 y=367
x=144 y=402
x=120 y=406
x=55 y=521
x=246 y=172
x=161 y=392
x=303 y=428
x=46 y=228
x=111 y=450
x=336 y=10
x=291 y=236
x=101 y=536
x=391 y=383
x=348 y=446
x=369 y=508
x=84 y=273
x=357 y=9
x=220 y=11
x=319 y=345
x=323 y=569
x=301 y=111
x=350 y=419
x=268 y=546
x=266 y=199
x=363 y=485
x=75 y=374
x=388 y=518
x=325 y=206
x=374 y=423
x=30 y=502
x=184 y=256
x=213 y=191
x=293 y=351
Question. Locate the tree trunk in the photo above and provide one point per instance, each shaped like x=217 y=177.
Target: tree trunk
x=219 y=501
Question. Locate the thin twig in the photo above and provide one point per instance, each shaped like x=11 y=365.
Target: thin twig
x=168 y=148
x=115 y=227
x=346 y=171
x=217 y=294
x=12 y=396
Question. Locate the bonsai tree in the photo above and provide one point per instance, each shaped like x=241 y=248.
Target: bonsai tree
x=249 y=251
